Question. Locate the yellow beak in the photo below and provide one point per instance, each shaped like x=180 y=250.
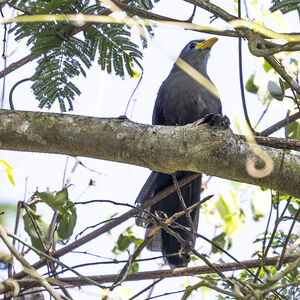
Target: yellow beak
x=206 y=44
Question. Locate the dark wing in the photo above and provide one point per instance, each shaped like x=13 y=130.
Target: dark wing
x=158 y=114
x=146 y=193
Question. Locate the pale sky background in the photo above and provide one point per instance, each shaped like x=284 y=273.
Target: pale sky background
x=106 y=96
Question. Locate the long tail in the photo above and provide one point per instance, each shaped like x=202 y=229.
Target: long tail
x=174 y=251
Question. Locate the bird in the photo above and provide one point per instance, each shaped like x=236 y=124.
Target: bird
x=180 y=100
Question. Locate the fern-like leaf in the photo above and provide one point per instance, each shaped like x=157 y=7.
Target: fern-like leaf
x=62 y=56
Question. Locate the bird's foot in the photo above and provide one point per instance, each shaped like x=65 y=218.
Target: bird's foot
x=216 y=120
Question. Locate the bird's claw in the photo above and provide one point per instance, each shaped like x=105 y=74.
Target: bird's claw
x=216 y=120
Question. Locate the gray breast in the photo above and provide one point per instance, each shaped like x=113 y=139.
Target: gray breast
x=181 y=100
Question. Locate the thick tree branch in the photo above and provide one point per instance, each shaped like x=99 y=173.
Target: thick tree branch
x=194 y=147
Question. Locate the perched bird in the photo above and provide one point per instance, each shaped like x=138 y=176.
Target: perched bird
x=180 y=100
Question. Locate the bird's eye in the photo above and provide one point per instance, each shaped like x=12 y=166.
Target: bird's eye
x=192 y=45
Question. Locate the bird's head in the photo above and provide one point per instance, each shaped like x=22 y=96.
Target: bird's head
x=196 y=53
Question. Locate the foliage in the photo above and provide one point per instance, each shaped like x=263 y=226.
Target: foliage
x=64 y=50
x=285 y=6
x=292 y=130
x=36 y=226
x=63 y=53
x=127 y=238
x=278 y=242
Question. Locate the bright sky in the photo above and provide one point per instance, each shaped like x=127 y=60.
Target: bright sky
x=106 y=96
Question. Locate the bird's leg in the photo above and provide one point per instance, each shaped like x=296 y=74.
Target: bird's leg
x=216 y=120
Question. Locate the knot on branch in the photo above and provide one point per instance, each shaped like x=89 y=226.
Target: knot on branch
x=257 y=44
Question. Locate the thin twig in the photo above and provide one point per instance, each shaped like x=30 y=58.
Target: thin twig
x=178 y=272
x=159 y=224
x=27 y=266
x=52 y=259
x=132 y=94
x=278 y=267
x=280 y=124
x=213 y=267
x=111 y=224
x=188 y=215
x=205 y=283
x=51 y=232
x=191 y=18
x=34 y=224
x=265 y=238
x=146 y=289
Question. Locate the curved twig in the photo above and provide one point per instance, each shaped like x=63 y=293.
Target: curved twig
x=11 y=104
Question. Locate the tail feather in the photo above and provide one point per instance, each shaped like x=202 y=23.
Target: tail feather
x=174 y=251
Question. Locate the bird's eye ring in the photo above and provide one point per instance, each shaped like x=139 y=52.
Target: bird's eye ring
x=192 y=45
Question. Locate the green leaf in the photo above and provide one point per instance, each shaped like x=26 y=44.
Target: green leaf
x=61 y=199
x=282 y=84
x=276 y=90
x=293 y=211
x=67 y=222
x=125 y=239
x=227 y=206
x=43 y=227
x=134 y=267
x=62 y=55
x=292 y=130
x=267 y=66
x=260 y=204
x=223 y=240
x=67 y=217
x=251 y=86
x=56 y=202
x=46 y=197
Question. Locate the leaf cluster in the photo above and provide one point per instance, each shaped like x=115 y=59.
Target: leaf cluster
x=278 y=241
x=127 y=238
x=273 y=88
x=37 y=227
x=63 y=55
x=285 y=6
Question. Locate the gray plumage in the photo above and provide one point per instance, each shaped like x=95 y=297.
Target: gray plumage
x=180 y=101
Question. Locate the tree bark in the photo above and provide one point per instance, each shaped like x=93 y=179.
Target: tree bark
x=195 y=147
